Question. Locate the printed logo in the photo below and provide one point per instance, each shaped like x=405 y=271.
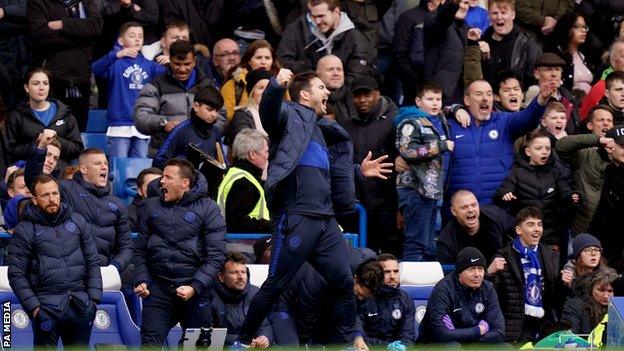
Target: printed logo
x=370 y=314
x=189 y=217
x=479 y=307
x=396 y=314
x=46 y=326
x=60 y=122
x=102 y=319
x=283 y=315
x=113 y=206
x=550 y=190
x=457 y=309
x=70 y=226
x=459 y=136
x=294 y=241
x=203 y=304
x=407 y=130
x=20 y=319
x=136 y=75
x=420 y=313
x=493 y=134
x=473 y=260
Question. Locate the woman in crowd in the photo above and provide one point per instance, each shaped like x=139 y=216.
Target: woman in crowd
x=29 y=119
x=259 y=55
x=247 y=116
x=586 y=261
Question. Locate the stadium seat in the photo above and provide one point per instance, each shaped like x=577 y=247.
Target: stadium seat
x=97 y=123
x=4 y=279
x=125 y=171
x=420 y=273
x=113 y=325
x=110 y=278
x=258 y=273
x=97 y=140
x=21 y=327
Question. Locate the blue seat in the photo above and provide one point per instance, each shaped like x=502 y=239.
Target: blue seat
x=97 y=140
x=125 y=171
x=171 y=342
x=420 y=294
x=21 y=326
x=113 y=325
x=97 y=123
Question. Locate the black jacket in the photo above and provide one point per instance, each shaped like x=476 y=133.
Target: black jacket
x=341 y=101
x=466 y=308
x=229 y=309
x=66 y=52
x=387 y=317
x=181 y=243
x=495 y=226
x=242 y=119
x=54 y=260
x=574 y=312
x=243 y=198
x=509 y=284
x=23 y=128
x=202 y=16
x=105 y=212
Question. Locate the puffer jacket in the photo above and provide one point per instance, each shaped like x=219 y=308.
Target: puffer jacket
x=581 y=153
x=181 y=243
x=546 y=187
x=483 y=154
x=509 y=284
x=105 y=212
x=54 y=260
x=23 y=128
x=166 y=98
x=387 y=317
x=466 y=307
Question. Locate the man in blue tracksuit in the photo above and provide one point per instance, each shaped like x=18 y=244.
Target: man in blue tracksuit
x=463 y=308
x=310 y=178
x=178 y=254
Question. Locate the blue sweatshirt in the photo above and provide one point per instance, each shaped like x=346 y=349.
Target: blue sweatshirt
x=126 y=77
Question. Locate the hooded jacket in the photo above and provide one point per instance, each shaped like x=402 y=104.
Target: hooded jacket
x=105 y=212
x=181 y=243
x=23 y=128
x=54 y=260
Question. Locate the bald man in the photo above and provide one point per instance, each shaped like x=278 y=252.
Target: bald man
x=331 y=72
x=225 y=55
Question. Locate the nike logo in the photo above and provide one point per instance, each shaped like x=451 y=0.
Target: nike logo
x=473 y=260
x=60 y=122
x=372 y=314
x=203 y=304
x=459 y=136
x=457 y=309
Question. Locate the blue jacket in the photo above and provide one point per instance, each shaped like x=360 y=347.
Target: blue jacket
x=290 y=126
x=54 y=260
x=483 y=155
x=387 y=317
x=465 y=307
x=104 y=211
x=126 y=77
x=181 y=243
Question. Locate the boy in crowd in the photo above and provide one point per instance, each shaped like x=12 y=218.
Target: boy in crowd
x=554 y=120
x=16 y=185
x=422 y=140
x=127 y=71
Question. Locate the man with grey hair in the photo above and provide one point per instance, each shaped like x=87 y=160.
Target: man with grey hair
x=247 y=212
x=597 y=92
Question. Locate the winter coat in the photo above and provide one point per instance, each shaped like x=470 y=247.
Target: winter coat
x=15 y=46
x=105 y=212
x=202 y=16
x=366 y=15
x=483 y=154
x=509 y=284
x=530 y=14
x=582 y=154
x=387 y=317
x=242 y=119
x=181 y=243
x=466 y=307
x=54 y=261
x=495 y=226
x=66 y=52
x=545 y=187
x=23 y=128
x=574 y=312
x=229 y=308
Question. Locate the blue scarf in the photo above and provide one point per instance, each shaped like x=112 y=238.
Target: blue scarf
x=529 y=257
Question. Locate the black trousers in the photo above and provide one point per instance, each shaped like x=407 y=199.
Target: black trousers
x=74 y=327
x=77 y=98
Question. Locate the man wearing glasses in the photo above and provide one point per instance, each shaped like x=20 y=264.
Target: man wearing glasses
x=226 y=55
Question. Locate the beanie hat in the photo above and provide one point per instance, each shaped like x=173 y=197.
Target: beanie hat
x=582 y=241
x=260 y=247
x=469 y=257
x=253 y=77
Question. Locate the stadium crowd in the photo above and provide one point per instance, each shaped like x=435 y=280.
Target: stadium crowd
x=485 y=135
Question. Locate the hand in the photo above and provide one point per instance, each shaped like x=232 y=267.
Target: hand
x=162 y=60
x=128 y=52
x=35 y=311
x=549 y=25
x=45 y=138
x=125 y=3
x=359 y=344
x=448 y=323
x=136 y=7
x=185 y=292
x=55 y=25
x=607 y=143
x=284 y=76
x=547 y=89
x=509 y=196
x=1 y=12
x=261 y=342
x=396 y=346
x=566 y=276
x=375 y=168
x=450 y=144
x=498 y=264
x=170 y=125
x=141 y=290
x=474 y=34
x=400 y=165
x=484 y=327
x=576 y=198
x=463 y=117
x=485 y=50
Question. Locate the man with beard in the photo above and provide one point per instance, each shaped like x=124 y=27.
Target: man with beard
x=53 y=268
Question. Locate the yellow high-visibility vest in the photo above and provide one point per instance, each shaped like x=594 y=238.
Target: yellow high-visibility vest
x=595 y=337
x=259 y=211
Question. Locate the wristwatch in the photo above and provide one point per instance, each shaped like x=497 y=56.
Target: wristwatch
x=162 y=123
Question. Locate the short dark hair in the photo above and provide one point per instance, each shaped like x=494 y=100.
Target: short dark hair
x=526 y=213
x=235 y=257
x=180 y=49
x=590 y=114
x=300 y=82
x=538 y=133
x=331 y=4
x=141 y=177
x=88 y=152
x=209 y=95
x=41 y=179
x=16 y=174
x=124 y=27
x=429 y=85
x=386 y=257
x=505 y=75
x=187 y=170
x=36 y=70
x=613 y=77
x=369 y=274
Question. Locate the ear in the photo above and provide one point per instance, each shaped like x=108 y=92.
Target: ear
x=518 y=232
x=606 y=93
x=120 y=41
x=26 y=88
x=453 y=212
x=186 y=183
x=11 y=192
x=220 y=276
x=418 y=101
x=195 y=106
x=466 y=100
x=304 y=95
x=543 y=122
x=513 y=14
x=83 y=169
x=536 y=74
x=526 y=150
x=589 y=125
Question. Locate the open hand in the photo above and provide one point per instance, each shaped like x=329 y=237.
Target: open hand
x=375 y=168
